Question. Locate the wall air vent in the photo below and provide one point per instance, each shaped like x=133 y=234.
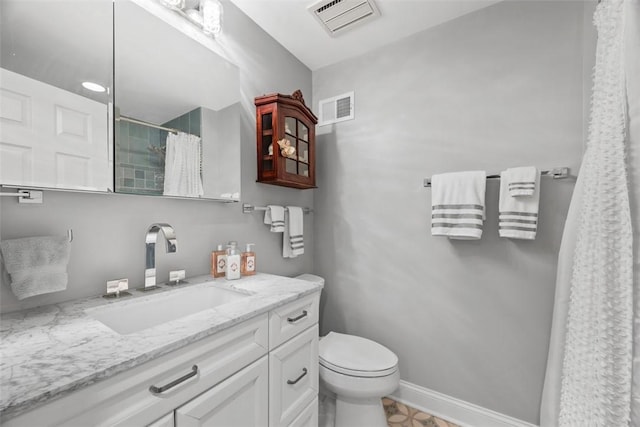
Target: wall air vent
x=337 y=16
x=336 y=109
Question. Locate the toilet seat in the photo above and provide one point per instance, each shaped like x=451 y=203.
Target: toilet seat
x=356 y=356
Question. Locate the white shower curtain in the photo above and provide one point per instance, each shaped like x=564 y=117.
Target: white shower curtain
x=182 y=175
x=633 y=135
x=589 y=369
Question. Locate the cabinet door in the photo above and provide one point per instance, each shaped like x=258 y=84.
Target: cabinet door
x=293 y=382
x=308 y=417
x=239 y=401
x=297 y=131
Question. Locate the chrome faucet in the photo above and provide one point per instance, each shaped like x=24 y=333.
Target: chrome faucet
x=150 y=240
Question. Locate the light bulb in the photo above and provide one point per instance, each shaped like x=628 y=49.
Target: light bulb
x=211 y=11
x=178 y=4
x=95 y=87
x=194 y=15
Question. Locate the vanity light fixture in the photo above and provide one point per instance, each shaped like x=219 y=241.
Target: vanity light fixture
x=95 y=87
x=205 y=14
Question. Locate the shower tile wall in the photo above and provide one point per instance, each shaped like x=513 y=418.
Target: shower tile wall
x=189 y=122
x=140 y=153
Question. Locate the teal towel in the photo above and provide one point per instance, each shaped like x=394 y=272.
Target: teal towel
x=36 y=265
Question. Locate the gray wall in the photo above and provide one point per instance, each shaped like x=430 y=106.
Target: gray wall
x=498 y=88
x=109 y=229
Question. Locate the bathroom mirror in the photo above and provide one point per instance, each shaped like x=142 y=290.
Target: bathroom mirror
x=177 y=112
x=54 y=132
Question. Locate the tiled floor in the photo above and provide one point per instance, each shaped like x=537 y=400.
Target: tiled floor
x=400 y=415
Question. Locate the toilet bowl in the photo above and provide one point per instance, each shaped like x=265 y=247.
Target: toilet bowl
x=359 y=372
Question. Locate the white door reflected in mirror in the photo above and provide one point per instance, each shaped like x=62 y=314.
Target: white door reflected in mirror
x=54 y=132
x=51 y=137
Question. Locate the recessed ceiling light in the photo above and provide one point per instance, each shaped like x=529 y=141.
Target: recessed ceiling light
x=93 y=86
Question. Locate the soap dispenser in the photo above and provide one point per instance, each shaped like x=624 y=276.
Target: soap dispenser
x=248 y=266
x=233 y=261
x=218 y=262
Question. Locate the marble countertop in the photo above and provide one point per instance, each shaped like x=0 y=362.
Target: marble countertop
x=49 y=351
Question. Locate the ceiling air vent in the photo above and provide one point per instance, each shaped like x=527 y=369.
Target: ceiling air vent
x=337 y=16
x=336 y=109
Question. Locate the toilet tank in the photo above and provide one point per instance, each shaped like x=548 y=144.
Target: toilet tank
x=311 y=278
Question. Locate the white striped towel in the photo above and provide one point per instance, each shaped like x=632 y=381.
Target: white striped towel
x=293 y=238
x=457 y=204
x=521 y=181
x=274 y=216
x=518 y=216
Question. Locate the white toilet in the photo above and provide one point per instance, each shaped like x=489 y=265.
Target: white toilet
x=360 y=372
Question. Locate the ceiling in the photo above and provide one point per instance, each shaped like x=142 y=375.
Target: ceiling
x=294 y=27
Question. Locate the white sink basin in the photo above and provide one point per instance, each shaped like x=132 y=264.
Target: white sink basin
x=127 y=317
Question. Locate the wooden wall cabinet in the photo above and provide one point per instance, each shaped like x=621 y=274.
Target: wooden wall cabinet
x=285 y=119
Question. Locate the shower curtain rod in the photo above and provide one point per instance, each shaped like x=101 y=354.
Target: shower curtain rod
x=555 y=173
x=143 y=123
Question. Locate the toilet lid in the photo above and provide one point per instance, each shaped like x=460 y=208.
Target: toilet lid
x=356 y=356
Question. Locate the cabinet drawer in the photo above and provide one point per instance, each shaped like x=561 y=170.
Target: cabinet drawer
x=239 y=401
x=287 y=321
x=125 y=399
x=293 y=383
x=166 y=421
x=308 y=417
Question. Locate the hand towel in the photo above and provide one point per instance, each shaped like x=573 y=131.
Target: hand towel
x=274 y=216
x=518 y=216
x=521 y=181
x=36 y=265
x=292 y=238
x=457 y=204
x=182 y=168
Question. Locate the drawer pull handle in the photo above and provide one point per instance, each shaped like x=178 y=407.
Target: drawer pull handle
x=304 y=372
x=157 y=390
x=295 y=319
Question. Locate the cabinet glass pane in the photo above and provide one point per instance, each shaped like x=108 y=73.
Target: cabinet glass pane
x=267 y=164
x=266 y=121
x=267 y=147
x=304 y=169
x=291 y=166
x=303 y=131
x=303 y=151
x=290 y=125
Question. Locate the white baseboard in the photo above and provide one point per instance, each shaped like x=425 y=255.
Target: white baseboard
x=451 y=409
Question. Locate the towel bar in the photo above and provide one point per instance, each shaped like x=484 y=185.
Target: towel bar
x=247 y=208
x=25 y=196
x=555 y=173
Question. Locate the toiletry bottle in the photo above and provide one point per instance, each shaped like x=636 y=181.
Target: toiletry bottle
x=233 y=261
x=218 y=262
x=248 y=267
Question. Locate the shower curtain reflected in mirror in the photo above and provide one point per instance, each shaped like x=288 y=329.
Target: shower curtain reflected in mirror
x=593 y=368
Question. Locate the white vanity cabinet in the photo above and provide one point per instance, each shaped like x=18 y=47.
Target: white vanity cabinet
x=260 y=372
x=125 y=399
